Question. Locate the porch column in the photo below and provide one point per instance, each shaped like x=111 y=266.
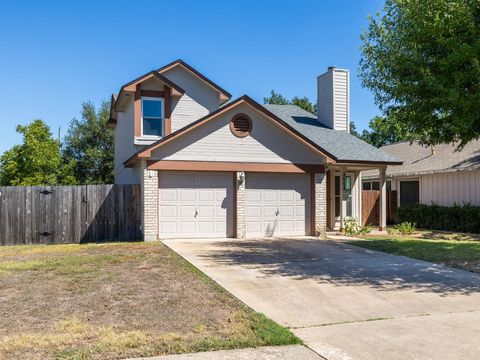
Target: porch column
x=342 y=176
x=320 y=201
x=149 y=193
x=383 y=200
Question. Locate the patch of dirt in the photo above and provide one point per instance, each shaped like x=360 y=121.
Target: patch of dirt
x=129 y=300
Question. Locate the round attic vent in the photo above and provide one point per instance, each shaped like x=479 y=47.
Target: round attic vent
x=241 y=125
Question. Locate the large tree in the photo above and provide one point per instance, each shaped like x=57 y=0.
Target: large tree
x=90 y=144
x=37 y=161
x=385 y=131
x=421 y=59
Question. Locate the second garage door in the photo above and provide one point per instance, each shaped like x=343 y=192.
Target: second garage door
x=277 y=204
x=195 y=204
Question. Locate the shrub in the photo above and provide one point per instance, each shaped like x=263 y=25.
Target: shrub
x=458 y=218
x=405 y=228
x=352 y=227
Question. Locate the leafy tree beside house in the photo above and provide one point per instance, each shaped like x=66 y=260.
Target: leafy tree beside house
x=421 y=59
x=89 y=143
x=37 y=161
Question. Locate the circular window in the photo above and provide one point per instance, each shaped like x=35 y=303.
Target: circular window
x=241 y=125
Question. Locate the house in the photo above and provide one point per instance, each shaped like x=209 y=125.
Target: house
x=209 y=166
x=438 y=175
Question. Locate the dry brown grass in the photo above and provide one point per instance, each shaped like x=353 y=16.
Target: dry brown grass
x=115 y=301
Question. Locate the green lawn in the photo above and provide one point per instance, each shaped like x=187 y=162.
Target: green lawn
x=457 y=250
x=118 y=300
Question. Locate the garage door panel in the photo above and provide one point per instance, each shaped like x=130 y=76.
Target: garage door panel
x=168 y=195
x=269 y=211
x=253 y=196
x=286 y=210
x=169 y=227
x=168 y=211
x=186 y=211
x=277 y=204
x=195 y=204
x=206 y=195
x=254 y=211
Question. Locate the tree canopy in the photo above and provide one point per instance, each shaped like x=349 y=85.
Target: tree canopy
x=421 y=59
x=384 y=131
x=89 y=143
x=37 y=161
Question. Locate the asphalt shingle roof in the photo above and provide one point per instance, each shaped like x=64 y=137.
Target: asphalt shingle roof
x=342 y=145
x=418 y=159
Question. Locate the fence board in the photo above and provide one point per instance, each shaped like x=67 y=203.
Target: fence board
x=69 y=214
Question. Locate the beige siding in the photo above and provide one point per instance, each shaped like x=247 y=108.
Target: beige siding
x=340 y=104
x=185 y=111
x=124 y=147
x=215 y=142
x=325 y=99
x=333 y=99
x=199 y=99
x=450 y=188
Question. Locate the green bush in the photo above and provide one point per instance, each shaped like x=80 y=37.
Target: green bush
x=352 y=227
x=405 y=228
x=458 y=218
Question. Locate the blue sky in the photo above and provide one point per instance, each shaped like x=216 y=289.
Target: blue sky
x=57 y=54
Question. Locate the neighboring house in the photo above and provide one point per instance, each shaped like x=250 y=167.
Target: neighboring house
x=438 y=175
x=211 y=167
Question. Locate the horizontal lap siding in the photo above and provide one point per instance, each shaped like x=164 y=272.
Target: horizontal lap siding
x=69 y=214
x=451 y=188
x=214 y=141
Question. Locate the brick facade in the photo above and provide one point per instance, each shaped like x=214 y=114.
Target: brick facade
x=320 y=204
x=241 y=221
x=149 y=203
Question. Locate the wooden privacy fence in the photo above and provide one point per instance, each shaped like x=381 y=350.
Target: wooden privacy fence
x=371 y=206
x=69 y=214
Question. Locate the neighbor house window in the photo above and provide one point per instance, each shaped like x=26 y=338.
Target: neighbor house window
x=409 y=192
x=152 y=116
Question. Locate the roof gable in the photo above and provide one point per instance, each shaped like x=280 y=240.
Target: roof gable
x=223 y=94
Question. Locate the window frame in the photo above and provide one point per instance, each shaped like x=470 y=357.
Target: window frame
x=162 y=118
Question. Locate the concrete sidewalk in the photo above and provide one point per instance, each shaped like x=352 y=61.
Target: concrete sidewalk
x=292 y=352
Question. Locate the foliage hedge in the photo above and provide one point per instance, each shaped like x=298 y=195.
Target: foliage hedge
x=464 y=218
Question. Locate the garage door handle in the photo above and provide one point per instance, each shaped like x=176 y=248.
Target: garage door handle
x=196 y=213
x=277 y=212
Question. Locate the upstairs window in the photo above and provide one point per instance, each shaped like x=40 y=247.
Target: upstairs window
x=152 y=117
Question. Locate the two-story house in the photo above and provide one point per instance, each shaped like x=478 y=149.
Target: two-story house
x=211 y=167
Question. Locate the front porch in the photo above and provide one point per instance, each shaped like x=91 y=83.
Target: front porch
x=344 y=195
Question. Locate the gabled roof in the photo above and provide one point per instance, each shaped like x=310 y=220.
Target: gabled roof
x=418 y=160
x=224 y=95
x=289 y=124
x=343 y=146
x=130 y=86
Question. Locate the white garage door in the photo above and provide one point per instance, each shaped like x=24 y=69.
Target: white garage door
x=195 y=205
x=277 y=204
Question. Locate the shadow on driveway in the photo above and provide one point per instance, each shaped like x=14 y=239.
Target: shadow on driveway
x=338 y=264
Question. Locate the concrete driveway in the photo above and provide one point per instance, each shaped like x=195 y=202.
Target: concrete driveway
x=346 y=302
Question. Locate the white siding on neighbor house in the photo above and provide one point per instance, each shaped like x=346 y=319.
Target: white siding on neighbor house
x=199 y=98
x=451 y=188
x=333 y=99
x=124 y=147
x=214 y=141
